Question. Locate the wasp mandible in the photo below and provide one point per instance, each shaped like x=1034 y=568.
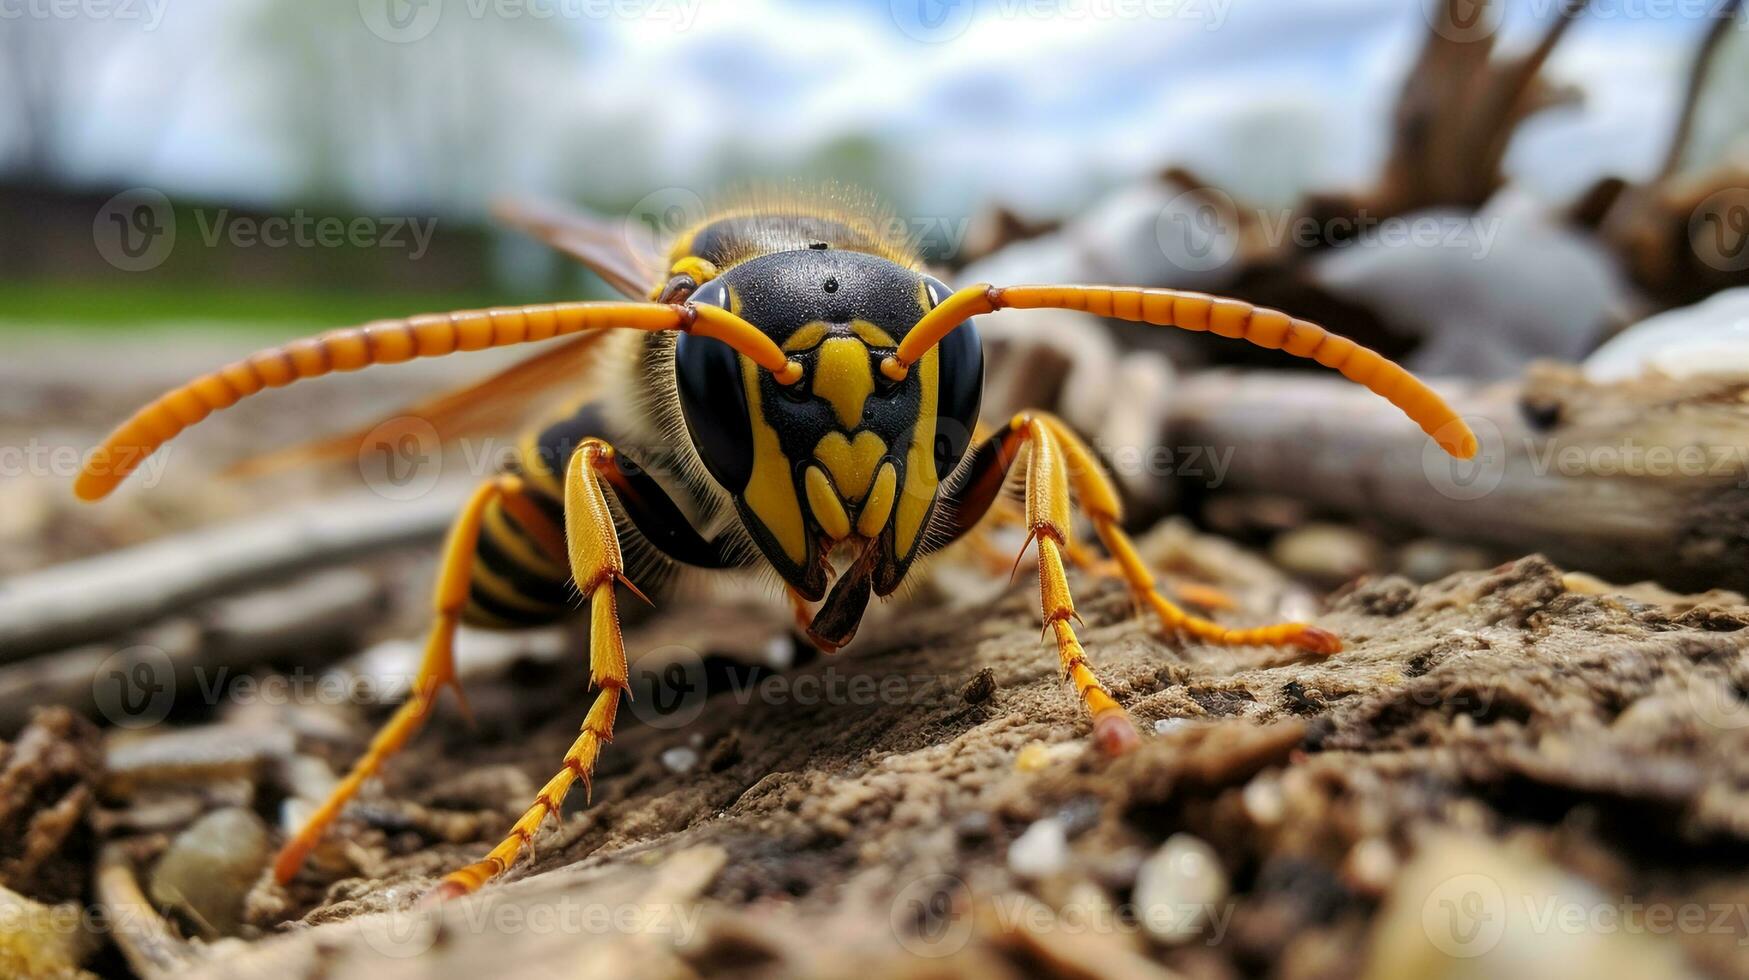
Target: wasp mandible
x=787 y=390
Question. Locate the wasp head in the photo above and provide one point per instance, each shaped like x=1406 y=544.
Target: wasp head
x=845 y=459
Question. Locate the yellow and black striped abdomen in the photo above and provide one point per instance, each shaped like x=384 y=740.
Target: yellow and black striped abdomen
x=515 y=582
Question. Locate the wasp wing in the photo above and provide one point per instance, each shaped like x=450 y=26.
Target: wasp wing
x=507 y=398
x=599 y=244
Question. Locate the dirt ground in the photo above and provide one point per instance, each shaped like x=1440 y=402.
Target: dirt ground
x=1509 y=771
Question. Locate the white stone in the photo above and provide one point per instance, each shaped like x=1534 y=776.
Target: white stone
x=1180 y=889
x=1041 y=851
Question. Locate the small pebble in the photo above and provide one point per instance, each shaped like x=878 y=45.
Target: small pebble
x=1326 y=553
x=981 y=687
x=1042 y=851
x=1079 y=815
x=1037 y=756
x=1429 y=560
x=780 y=652
x=1180 y=889
x=210 y=867
x=680 y=759
x=1370 y=866
x=1263 y=801
x=724 y=752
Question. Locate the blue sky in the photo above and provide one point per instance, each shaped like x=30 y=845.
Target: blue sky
x=1039 y=103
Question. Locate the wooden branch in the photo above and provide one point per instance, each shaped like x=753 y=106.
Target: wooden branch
x=321 y=617
x=147 y=942
x=97 y=597
x=1590 y=489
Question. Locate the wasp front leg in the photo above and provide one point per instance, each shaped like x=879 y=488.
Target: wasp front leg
x=598 y=568
x=1047 y=522
x=1099 y=500
x=1058 y=459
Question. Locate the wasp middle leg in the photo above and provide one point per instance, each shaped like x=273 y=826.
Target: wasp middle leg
x=456 y=596
x=598 y=567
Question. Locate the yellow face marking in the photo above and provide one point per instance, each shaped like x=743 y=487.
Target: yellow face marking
x=770 y=494
x=824 y=502
x=852 y=464
x=872 y=335
x=879 y=505
x=920 y=477
x=844 y=376
x=806 y=337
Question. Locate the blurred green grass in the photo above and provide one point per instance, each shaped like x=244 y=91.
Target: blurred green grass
x=47 y=305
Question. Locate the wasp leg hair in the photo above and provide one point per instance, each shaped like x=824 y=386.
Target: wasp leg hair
x=597 y=567
x=436 y=669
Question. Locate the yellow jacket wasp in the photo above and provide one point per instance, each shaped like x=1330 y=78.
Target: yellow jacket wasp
x=808 y=392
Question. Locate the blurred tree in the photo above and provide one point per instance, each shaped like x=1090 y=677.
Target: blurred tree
x=1721 y=129
x=437 y=123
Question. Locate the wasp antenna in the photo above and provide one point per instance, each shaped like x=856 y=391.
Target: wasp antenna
x=1198 y=311
x=393 y=341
